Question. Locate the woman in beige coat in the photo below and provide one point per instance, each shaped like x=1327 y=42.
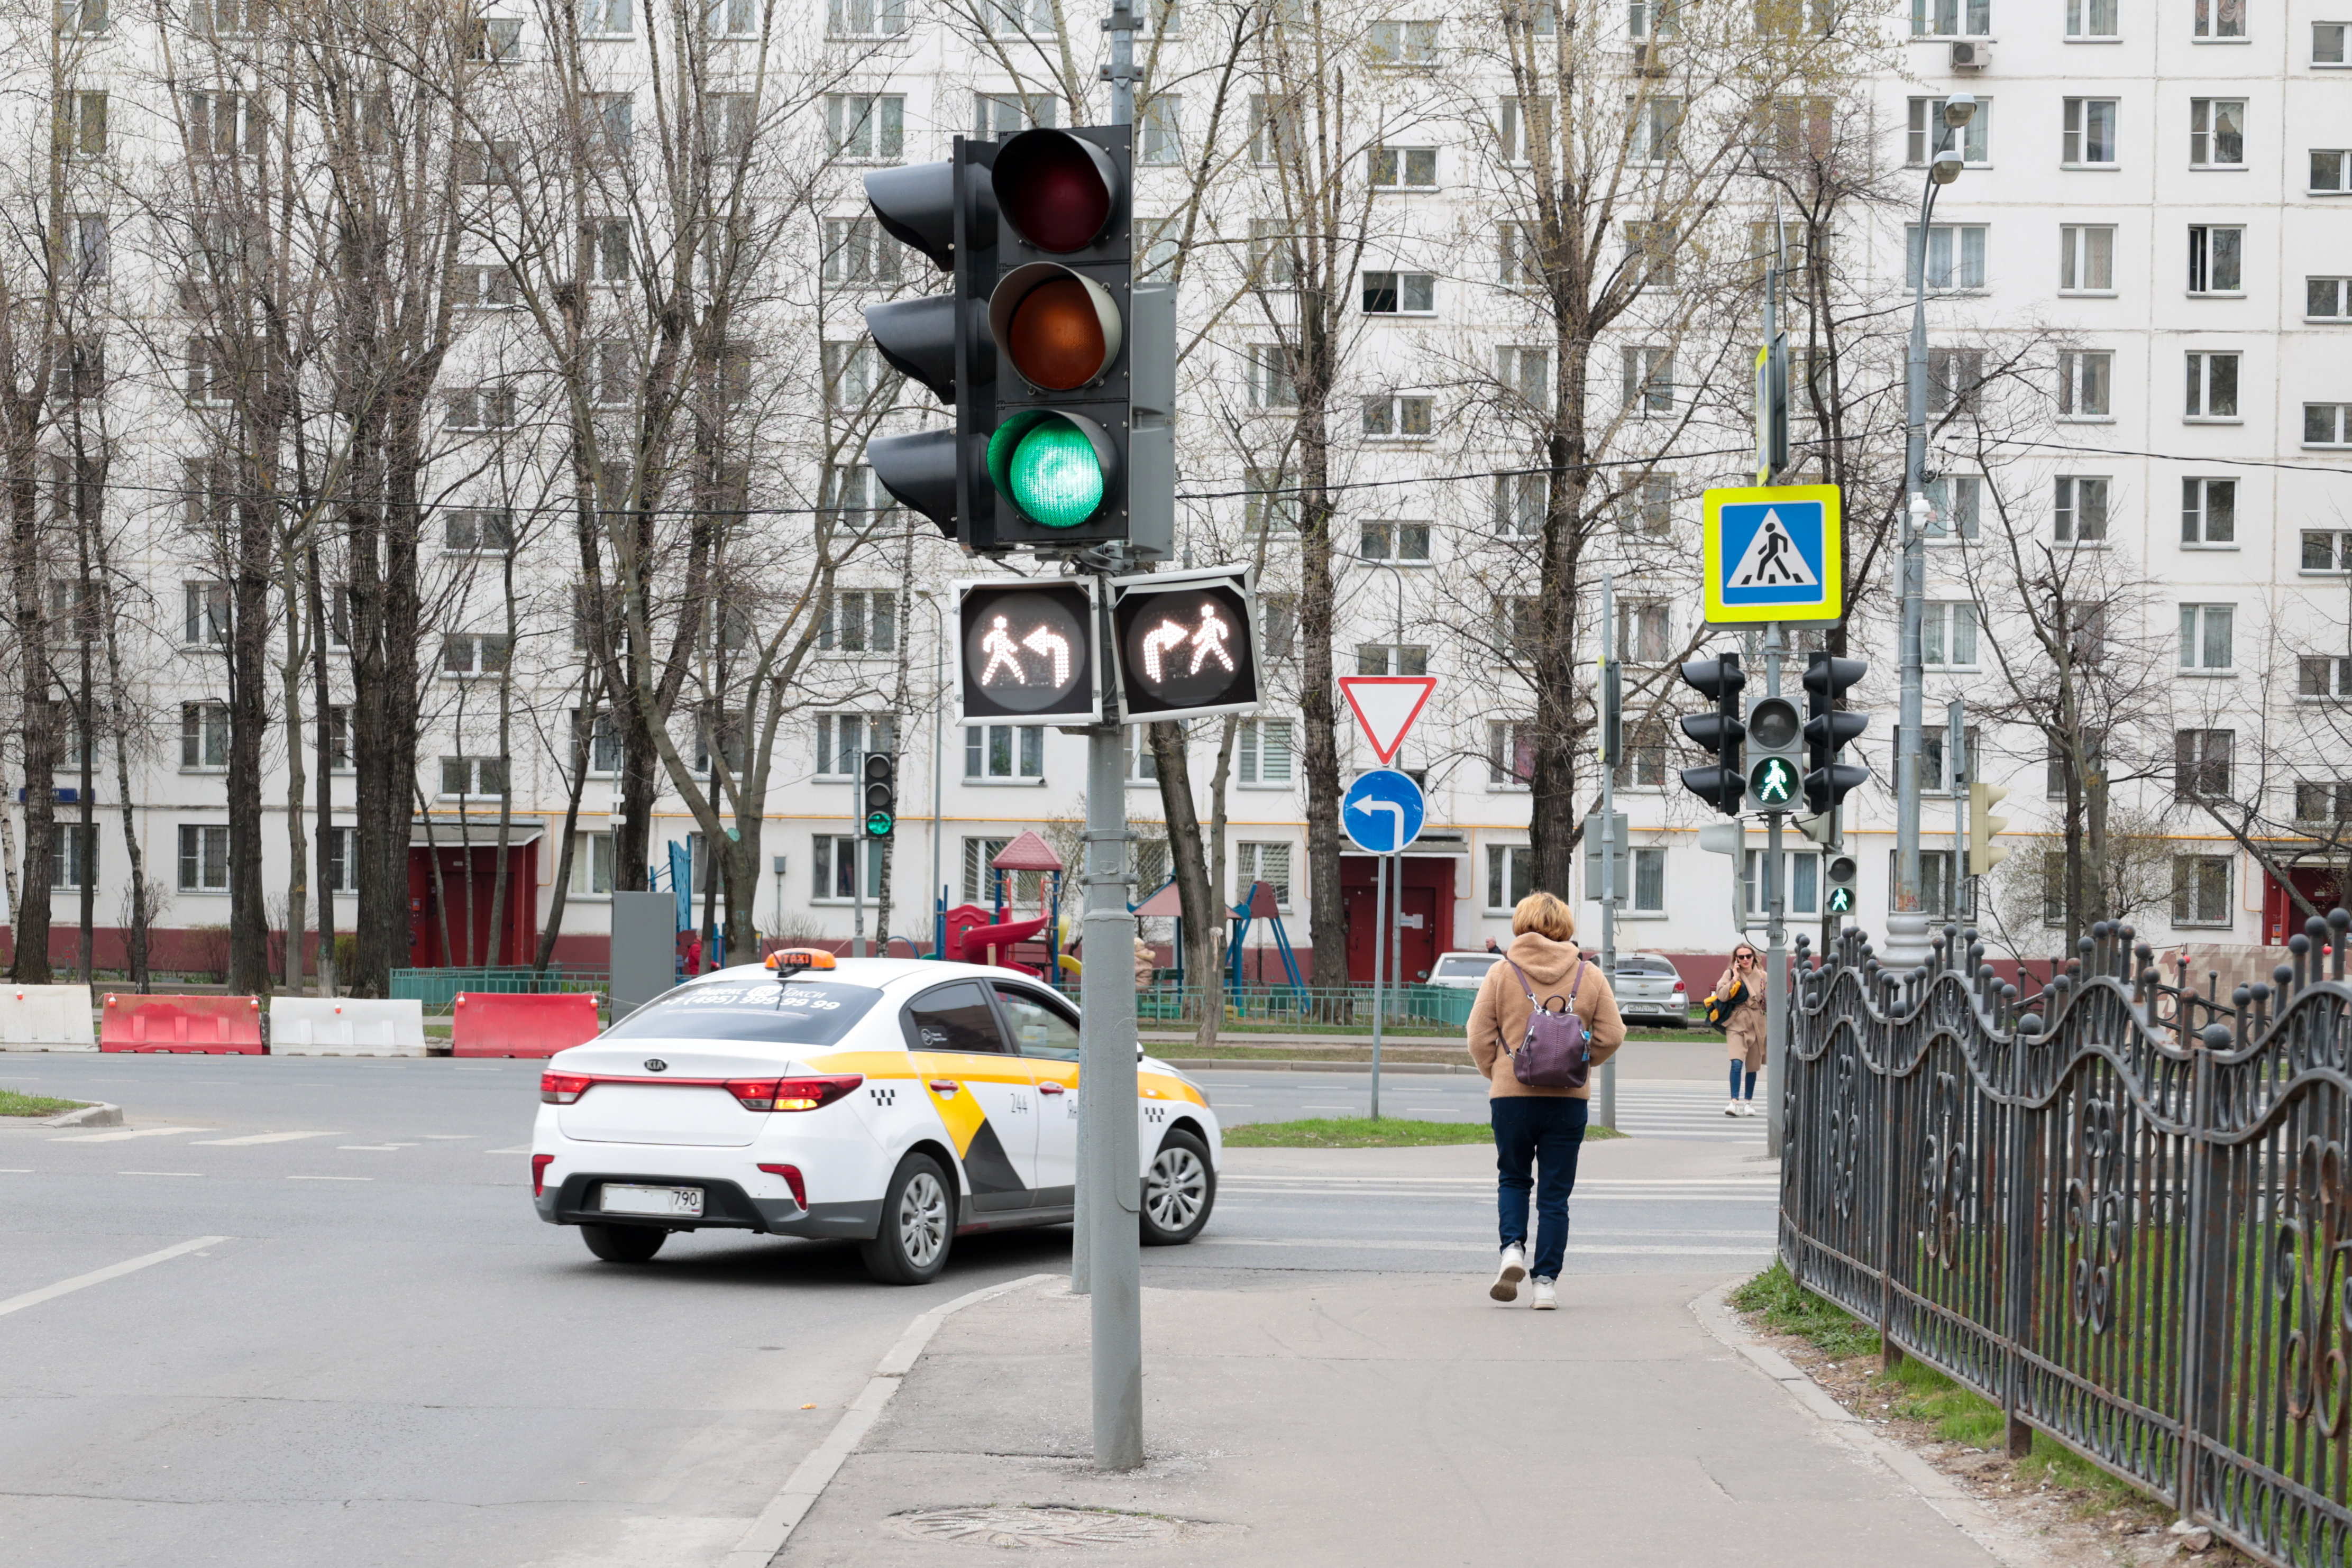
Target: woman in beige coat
x=1743 y=1033
x=1542 y=1128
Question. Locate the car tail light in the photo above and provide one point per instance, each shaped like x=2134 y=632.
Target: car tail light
x=792 y=1174
x=539 y=1163
x=563 y=1088
x=792 y=1093
x=1680 y=987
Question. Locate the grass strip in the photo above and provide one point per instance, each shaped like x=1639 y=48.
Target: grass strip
x=12 y=1103
x=1363 y=1132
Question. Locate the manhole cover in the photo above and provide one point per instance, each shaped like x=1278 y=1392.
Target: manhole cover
x=1005 y=1526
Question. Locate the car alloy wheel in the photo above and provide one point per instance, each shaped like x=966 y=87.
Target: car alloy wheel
x=1176 y=1189
x=923 y=1219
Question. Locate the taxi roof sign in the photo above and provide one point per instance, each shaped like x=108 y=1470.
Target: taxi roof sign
x=1773 y=553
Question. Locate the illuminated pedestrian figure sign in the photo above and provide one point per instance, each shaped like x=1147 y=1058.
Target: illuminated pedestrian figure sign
x=1840 y=900
x=1026 y=653
x=1002 y=656
x=1773 y=782
x=1207 y=639
x=1186 y=643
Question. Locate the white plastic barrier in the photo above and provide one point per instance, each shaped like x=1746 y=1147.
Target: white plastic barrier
x=345 y=1026
x=47 y=1017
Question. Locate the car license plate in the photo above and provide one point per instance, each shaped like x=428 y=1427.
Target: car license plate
x=662 y=1200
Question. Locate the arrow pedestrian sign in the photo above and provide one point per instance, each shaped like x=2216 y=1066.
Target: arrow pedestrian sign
x=1385 y=707
x=1773 y=554
x=1383 y=812
x=1773 y=783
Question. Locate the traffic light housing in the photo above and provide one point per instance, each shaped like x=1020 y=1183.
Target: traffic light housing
x=879 y=801
x=1983 y=853
x=1025 y=650
x=1840 y=874
x=1774 y=756
x=1721 y=784
x=1186 y=643
x=1828 y=728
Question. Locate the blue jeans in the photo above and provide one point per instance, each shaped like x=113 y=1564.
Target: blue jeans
x=1545 y=1132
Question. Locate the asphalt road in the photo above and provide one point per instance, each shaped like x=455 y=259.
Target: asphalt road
x=367 y=1350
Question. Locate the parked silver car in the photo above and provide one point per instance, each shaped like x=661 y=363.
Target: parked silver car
x=1650 y=990
x=1465 y=970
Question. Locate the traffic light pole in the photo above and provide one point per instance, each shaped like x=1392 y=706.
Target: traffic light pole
x=1776 y=938
x=857 y=857
x=1605 y=1096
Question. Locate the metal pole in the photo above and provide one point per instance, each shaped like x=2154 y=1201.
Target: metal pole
x=1956 y=773
x=939 y=756
x=857 y=853
x=1607 y=1098
x=1907 y=921
x=1776 y=936
x=1380 y=938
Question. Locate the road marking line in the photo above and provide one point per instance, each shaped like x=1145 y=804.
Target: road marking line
x=160 y=1173
x=329 y=1179
x=18 y=1170
x=518 y=1149
x=252 y=1138
x=1341 y=1244
x=129 y=1133
x=371 y=1148
x=100 y=1275
x=450 y=1137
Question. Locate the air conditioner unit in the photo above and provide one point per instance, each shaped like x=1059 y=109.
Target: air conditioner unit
x=1649 y=59
x=1971 y=55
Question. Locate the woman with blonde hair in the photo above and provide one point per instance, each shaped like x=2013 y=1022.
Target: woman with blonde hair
x=1538 y=1127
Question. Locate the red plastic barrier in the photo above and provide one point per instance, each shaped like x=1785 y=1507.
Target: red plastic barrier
x=488 y=1023
x=225 y=1026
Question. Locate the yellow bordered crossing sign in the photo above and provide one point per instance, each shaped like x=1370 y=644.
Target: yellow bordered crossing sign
x=1773 y=553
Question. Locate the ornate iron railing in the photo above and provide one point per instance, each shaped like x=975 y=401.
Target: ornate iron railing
x=2118 y=1210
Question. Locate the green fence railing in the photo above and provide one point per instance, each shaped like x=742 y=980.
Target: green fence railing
x=438 y=988
x=1312 y=1006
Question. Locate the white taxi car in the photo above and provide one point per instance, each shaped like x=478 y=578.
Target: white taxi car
x=898 y=1102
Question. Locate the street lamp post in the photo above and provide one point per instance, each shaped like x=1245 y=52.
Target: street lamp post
x=1906 y=918
x=939 y=764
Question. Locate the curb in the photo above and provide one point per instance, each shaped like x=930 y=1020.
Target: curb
x=1232 y=1065
x=75 y=1045
x=808 y=1480
x=2004 y=1542
x=98 y=1115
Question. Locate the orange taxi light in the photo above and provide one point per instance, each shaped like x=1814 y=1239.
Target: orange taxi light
x=800 y=958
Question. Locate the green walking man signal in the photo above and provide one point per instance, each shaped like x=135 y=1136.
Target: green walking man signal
x=1774 y=782
x=1840 y=900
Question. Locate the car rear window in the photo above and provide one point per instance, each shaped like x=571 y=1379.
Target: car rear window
x=1463 y=968
x=1637 y=965
x=787 y=1012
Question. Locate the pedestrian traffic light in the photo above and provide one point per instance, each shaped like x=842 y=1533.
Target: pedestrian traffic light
x=1983 y=853
x=1025 y=650
x=1827 y=729
x=1186 y=643
x=947 y=211
x=1840 y=873
x=880 y=800
x=1775 y=756
x=1718 y=732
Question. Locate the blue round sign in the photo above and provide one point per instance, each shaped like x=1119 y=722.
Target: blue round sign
x=1383 y=812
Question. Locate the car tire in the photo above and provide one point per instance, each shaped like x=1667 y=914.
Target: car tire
x=918 y=1225
x=623 y=1243
x=1178 y=1191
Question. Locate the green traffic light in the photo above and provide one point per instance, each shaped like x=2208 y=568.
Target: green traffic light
x=879 y=823
x=1840 y=900
x=1056 y=477
x=1773 y=782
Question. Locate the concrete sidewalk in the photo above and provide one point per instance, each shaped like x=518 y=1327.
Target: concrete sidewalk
x=1386 y=1418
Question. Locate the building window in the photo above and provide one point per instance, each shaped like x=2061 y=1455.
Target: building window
x=2079 y=510
x=1273 y=255
x=2087 y=136
x=1394 y=542
x=1142 y=762
x=2216 y=259
x=203 y=736
x=2327 y=298
x=1400 y=293
x=485 y=654
x=2213 y=387
x=1956 y=257
x=2090 y=19
x=1510 y=754
x=206 y=613
x=1957 y=499
x=2217 y=133
x=1644 y=632
x=1947 y=635
x=1018 y=18
x=1270 y=134
x=485 y=286
x=2205 y=632
x=592 y=865
x=1406 y=418
x=2209 y=511
x=478 y=530
x=472 y=778
x=1519 y=504
x=224 y=124
x=1649 y=381
x=204 y=858
x=1649 y=882
x=858 y=254
x=833 y=858
x=488 y=163
x=1928 y=134
x=1527 y=373
x=1934 y=775
x=2086 y=258
x=339 y=737
x=1268 y=863
x=1657 y=122
x=603 y=742
x=1951 y=18
x=2201 y=890
x=73 y=855
x=2201 y=763
x=1270 y=501
x=342 y=859
x=89 y=248
x=1803 y=892
x=1403 y=168
x=606 y=19
x=2220 y=18
x=1402 y=43
x=2324 y=802
x=2326 y=549
x=1002 y=114
x=1390 y=659
x=2086 y=384
x=860 y=621
x=82 y=133
x=483 y=408
x=1265 y=751
x=1516 y=625
x=1510 y=875
x=1162 y=246
x=2324 y=676
x=1274 y=379
x=870 y=127
x=2327 y=424
x=1643 y=765
x=843 y=738
x=1520 y=249
x=1004 y=752
x=1164 y=139
x=1953 y=377
x=1521 y=124
x=2327 y=44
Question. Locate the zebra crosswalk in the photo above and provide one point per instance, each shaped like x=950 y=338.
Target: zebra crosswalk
x=1687 y=1112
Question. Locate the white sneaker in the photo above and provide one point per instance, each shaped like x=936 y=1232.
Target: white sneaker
x=1731 y=1107
x=1547 y=1297
x=1748 y=1108
x=1505 y=1286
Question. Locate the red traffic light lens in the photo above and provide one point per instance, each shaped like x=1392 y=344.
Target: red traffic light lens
x=1053 y=189
x=1056 y=338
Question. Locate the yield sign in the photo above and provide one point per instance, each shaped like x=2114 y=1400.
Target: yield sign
x=1385 y=707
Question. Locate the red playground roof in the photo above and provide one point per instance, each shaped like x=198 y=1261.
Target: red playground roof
x=1027 y=852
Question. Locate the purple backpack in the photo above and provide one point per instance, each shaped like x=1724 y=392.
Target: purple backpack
x=1553 y=1055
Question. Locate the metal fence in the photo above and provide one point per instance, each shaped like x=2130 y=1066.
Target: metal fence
x=1310 y=1006
x=2118 y=1210
x=438 y=988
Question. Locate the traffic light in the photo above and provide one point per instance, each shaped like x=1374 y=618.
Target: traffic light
x=1186 y=643
x=1025 y=650
x=1840 y=873
x=1828 y=728
x=1775 y=754
x=948 y=212
x=1983 y=853
x=1718 y=732
x=881 y=795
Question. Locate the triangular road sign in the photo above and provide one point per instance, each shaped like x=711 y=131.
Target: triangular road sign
x=1771 y=559
x=1385 y=707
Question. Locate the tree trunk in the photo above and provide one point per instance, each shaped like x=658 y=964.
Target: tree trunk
x=1195 y=894
x=506 y=767
x=86 y=716
x=323 y=707
x=581 y=728
x=31 y=931
x=298 y=884
x=248 y=715
x=119 y=723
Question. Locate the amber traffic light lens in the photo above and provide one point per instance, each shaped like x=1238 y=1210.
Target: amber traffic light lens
x=1052 y=191
x=1057 y=337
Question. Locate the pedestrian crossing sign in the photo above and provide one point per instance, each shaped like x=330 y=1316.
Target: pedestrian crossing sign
x=1773 y=554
